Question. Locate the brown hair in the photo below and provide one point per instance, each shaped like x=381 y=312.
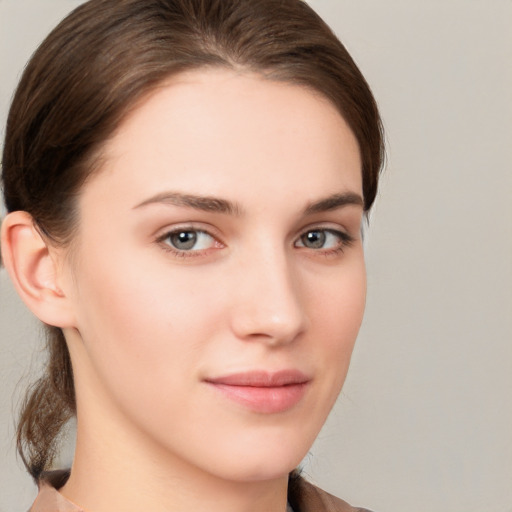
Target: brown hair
x=92 y=69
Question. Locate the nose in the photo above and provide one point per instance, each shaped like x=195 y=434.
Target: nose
x=267 y=302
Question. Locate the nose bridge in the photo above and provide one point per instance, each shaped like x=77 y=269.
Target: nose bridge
x=268 y=304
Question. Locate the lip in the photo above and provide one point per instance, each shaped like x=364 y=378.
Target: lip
x=262 y=391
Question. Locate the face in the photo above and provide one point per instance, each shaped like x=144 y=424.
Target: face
x=218 y=279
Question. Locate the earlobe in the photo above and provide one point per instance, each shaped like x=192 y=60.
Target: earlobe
x=33 y=270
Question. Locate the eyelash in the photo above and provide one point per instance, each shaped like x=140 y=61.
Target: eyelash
x=345 y=241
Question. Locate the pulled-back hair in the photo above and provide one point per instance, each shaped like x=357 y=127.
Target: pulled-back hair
x=94 y=68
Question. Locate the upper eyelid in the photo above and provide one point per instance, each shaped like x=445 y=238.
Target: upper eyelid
x=343 y=234
x=189 y=226
x=327 y=226
x=166 y=234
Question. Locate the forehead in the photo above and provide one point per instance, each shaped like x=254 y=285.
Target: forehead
x=215 y=131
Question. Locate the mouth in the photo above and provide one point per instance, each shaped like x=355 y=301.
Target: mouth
x=261 y=391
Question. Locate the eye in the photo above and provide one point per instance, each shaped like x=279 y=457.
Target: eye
x=324 y=239
x=188 y=240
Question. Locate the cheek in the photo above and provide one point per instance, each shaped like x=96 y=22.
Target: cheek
x=338 y=305
x=144 y=347
x=337 y=310
x=139 y=324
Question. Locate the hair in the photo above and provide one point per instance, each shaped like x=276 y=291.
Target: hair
x=95 y=67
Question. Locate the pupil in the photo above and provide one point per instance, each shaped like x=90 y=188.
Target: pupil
x=314 y=239
x=184 y=240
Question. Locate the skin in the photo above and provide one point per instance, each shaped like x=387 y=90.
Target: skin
x=147 y=327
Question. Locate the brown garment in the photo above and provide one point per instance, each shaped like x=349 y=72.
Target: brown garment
x=302 y=496
x=306 y=497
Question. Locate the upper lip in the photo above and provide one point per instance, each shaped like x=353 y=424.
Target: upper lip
x=261 y=378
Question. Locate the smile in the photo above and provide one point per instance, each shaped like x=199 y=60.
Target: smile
x=263 y=392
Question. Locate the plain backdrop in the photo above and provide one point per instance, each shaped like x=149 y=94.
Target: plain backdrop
x=424 y=422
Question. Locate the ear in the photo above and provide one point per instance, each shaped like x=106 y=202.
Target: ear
x=33 y=267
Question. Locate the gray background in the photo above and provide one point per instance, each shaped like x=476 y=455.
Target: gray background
x=425 y=419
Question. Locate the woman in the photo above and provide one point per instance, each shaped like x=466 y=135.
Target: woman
x=186 y=182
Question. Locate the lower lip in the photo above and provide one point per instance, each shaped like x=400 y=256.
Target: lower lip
x=266 y=400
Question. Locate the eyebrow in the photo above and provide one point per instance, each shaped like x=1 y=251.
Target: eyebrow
x=334 y=202
x=218 y=205
x=204 y=203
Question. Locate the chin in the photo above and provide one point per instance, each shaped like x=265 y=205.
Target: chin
x=269 y=461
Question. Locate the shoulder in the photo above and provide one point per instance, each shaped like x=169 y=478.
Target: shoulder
x=306 y=497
